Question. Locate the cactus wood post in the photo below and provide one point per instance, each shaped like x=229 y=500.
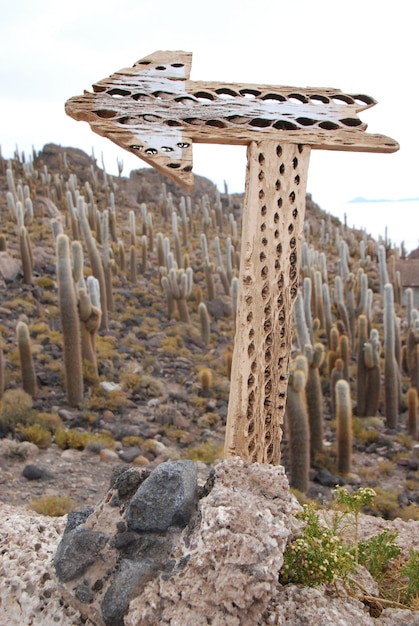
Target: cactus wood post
x=153 y=110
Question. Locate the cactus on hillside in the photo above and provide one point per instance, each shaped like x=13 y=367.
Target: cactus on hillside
x=70 y=324
x=298 y=431
x=343 y=426
x=391 y=370
x=26 y=360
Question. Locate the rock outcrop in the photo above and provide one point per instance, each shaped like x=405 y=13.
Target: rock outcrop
x=166 y=548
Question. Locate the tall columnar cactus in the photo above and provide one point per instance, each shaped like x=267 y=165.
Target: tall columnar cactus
x=391 y=371
x=205 y=322
x=298 y=431
x=95 y=260
x=25 y=255
x=372 y=351
x=412 y=413
x=303 y=335
x=89 y=325
x=343 y=352
x=361 y=376
x=382 y=267
x=412 y=352
x=70 y=324
x=341 y=306
x=26 y=360
x=335 y=375
x=343 y=426
x=314 y=395
x=327 y=313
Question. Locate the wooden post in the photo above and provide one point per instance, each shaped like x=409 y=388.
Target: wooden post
x=153 y=110
x=272 y=228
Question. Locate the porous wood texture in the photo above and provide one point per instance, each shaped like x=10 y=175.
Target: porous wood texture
x=273 y=221
x=154 y=111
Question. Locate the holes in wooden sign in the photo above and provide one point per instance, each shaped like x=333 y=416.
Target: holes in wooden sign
x=263 y=210
x=249 y=317
x=162 y=95
x=297 y=180
x=166 y=149
x=290 y=229
x=136 y=147
x=141 y=97
x=291 y=197
x=261 y=158
x=161 y=68
x=281 y=168
x=327 y=125
x=105 y=113
x=204 y=95
x=250 y=350
x=251 y=380
x=262 y=227
x=262 y=257
x=261 y=194
x=225 y=92
x=267 y=325
x=265 y=292
x=351 y=121
x=277 y=185
x=341 y=97
x=295 y=213
x=118 y=93
x=216 y=123
x=279 y=203
x=264 y=272
x=177 y=64
x=295 y=163
x=261 y=175
x=173 y=166
x=183 y=144
x=279 y=151
x=276 y=234
x=363 y=99
x=297 y=97
x=264 y=241
x=259 y=122
x=275 y=97
x=251 y=427
x=279 y=250
x=319 y=99
x=276 y=218
x=284 y=125
x=253 y=367
x=151 y=151
x=306 y=121
x=250 y=93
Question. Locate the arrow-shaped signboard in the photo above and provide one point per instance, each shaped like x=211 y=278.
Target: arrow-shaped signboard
x=153 y=110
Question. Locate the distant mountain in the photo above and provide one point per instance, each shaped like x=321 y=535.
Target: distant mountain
x=360 y=200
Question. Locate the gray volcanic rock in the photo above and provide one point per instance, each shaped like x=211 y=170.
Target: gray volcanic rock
x=167 y=498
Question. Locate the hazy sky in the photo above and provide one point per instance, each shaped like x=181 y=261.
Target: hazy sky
x=51 y=51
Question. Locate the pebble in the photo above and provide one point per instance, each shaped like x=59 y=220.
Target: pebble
x=108 y=455
x=32 y=472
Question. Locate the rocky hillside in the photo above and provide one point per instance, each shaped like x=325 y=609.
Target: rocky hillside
x=157 y=337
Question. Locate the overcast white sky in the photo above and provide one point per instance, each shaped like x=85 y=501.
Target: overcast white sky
x=51 y=51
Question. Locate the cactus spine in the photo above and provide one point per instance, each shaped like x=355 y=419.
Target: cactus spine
x=344 y=426
x=69 y=323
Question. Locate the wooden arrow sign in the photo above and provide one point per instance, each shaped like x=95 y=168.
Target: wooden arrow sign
x=153 y=110
x=156 y=112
